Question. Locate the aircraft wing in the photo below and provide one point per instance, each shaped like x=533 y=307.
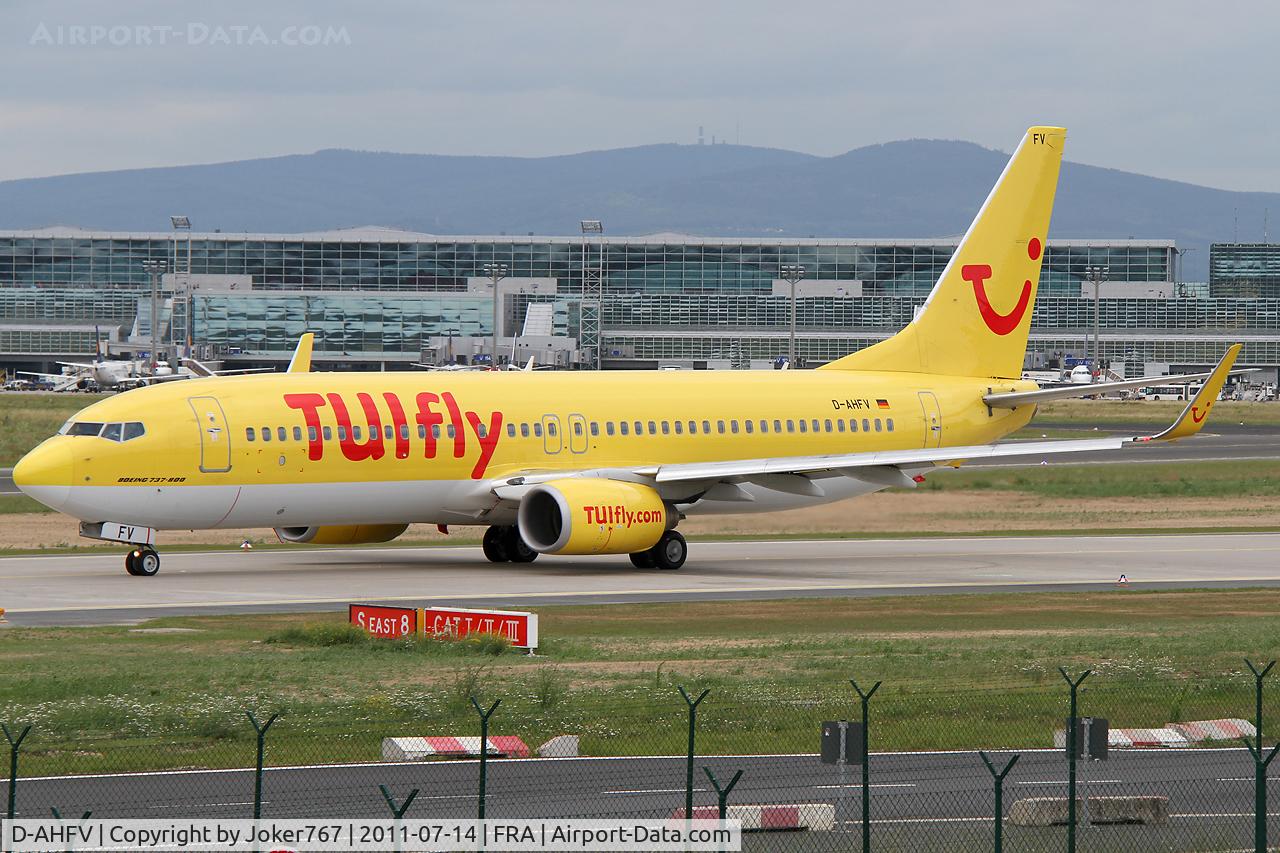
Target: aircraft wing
x=1014 y=399
x=886 y=467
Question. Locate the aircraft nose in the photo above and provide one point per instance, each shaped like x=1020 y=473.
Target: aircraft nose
x=45 y=473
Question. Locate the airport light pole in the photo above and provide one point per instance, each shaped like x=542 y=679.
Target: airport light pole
x=183 y=223
x=496 y=273
x=154 y=268
x=1097 y=275
x=1181 y=272
x=792 y=273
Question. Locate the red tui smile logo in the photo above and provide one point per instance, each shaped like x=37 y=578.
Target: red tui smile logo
x=977 y=275
x=1197 y=416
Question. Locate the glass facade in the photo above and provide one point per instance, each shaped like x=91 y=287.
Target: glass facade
x=1244 y=270
x=383 y=294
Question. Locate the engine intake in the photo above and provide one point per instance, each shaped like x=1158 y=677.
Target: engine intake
x=592 y=516
x=341 y=534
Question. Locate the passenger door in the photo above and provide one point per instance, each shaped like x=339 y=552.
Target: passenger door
x=215 y=438
x=932 y=419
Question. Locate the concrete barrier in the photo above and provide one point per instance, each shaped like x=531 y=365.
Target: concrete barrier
x=1148 y=811
x=561 y=746
x=419 y=748
x=1052 y=811
x=1202 y=730
x=817 y=817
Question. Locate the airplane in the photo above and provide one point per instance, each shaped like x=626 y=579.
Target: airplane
x=587 y=463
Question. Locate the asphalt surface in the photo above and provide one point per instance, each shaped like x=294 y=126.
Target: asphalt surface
x=94 y=589
x=1209 y=791
x=6 y=482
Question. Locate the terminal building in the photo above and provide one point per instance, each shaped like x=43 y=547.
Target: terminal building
x=379 y=298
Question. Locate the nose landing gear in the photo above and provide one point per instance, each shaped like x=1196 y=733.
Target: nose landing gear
x=143 y=561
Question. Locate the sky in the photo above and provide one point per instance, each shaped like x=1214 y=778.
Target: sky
x=1181 y=90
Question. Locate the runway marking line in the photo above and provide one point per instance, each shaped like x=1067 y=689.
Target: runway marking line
x=511 y=596
x=654 y=791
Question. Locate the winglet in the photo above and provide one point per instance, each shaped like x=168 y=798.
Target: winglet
x=301 y=361
x=1197 y=411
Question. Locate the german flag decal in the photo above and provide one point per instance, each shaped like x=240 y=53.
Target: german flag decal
x=882 y=404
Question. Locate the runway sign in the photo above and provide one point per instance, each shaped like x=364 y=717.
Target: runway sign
x=452 y=623
x=387 y=623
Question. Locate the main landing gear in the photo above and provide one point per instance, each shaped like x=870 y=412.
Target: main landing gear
x=143 y=561
x=503 y=544
x=669 y=554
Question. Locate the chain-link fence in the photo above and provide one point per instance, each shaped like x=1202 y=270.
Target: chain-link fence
x=1152 y=763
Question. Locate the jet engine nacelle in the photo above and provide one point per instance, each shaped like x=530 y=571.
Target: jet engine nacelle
x=341 y=534
x=591 y=516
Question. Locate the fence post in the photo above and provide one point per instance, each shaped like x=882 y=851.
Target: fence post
x=722 y=794
x=14 y=743
x=688 y=776
x=998 y=776
x=57 y=815
x=257 y=776
x=484 y=748
x=397 y=811
x=1071 y=758
x=1259 y=764
x=866 y=764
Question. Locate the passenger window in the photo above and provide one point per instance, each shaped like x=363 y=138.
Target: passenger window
x=577 y=427
x=653 y=428
x=266 y=433
x=311 y=433
x=639 y=428
x=608 y=427
x=112 y=432
x=750 y=425
x=524 y=430
x=679 y=427
x=297 y=433
x=816 y=428
x=791 y=426
x=777 y=426
x=720 y=427
x=853 y=424
x=248 y=434
x=551 y=429
x=733 y=426
x=877 y=424
x=764 y=426
x=356 y=432
x=826 y=425
x=888 y=424
x=622 y=427
x=706 y=427
x=342 y=433
x=452 y=431
x=866 y=425
x=388 y=433
x=482 y=430
x=595 y=428
x=404 y=431
x=666 y=428
x=537 y=430
x=328 y=433
x=282 y=434
x=693 y=427
x=840 y=425
x=511 y=430
x=802 y=426
x=134 y=429
x=435 y=431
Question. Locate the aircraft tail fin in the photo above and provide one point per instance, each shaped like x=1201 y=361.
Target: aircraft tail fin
x=978 y=316
x=301 y=361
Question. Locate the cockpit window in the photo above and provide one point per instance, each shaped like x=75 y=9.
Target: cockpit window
x=85 y=428
x=112 y=432
x=134 y=429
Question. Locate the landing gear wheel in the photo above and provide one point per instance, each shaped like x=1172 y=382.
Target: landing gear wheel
x=670 y=552
x=143 y=562
x=494 y=545
x=516 y=548
x=642 y=560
